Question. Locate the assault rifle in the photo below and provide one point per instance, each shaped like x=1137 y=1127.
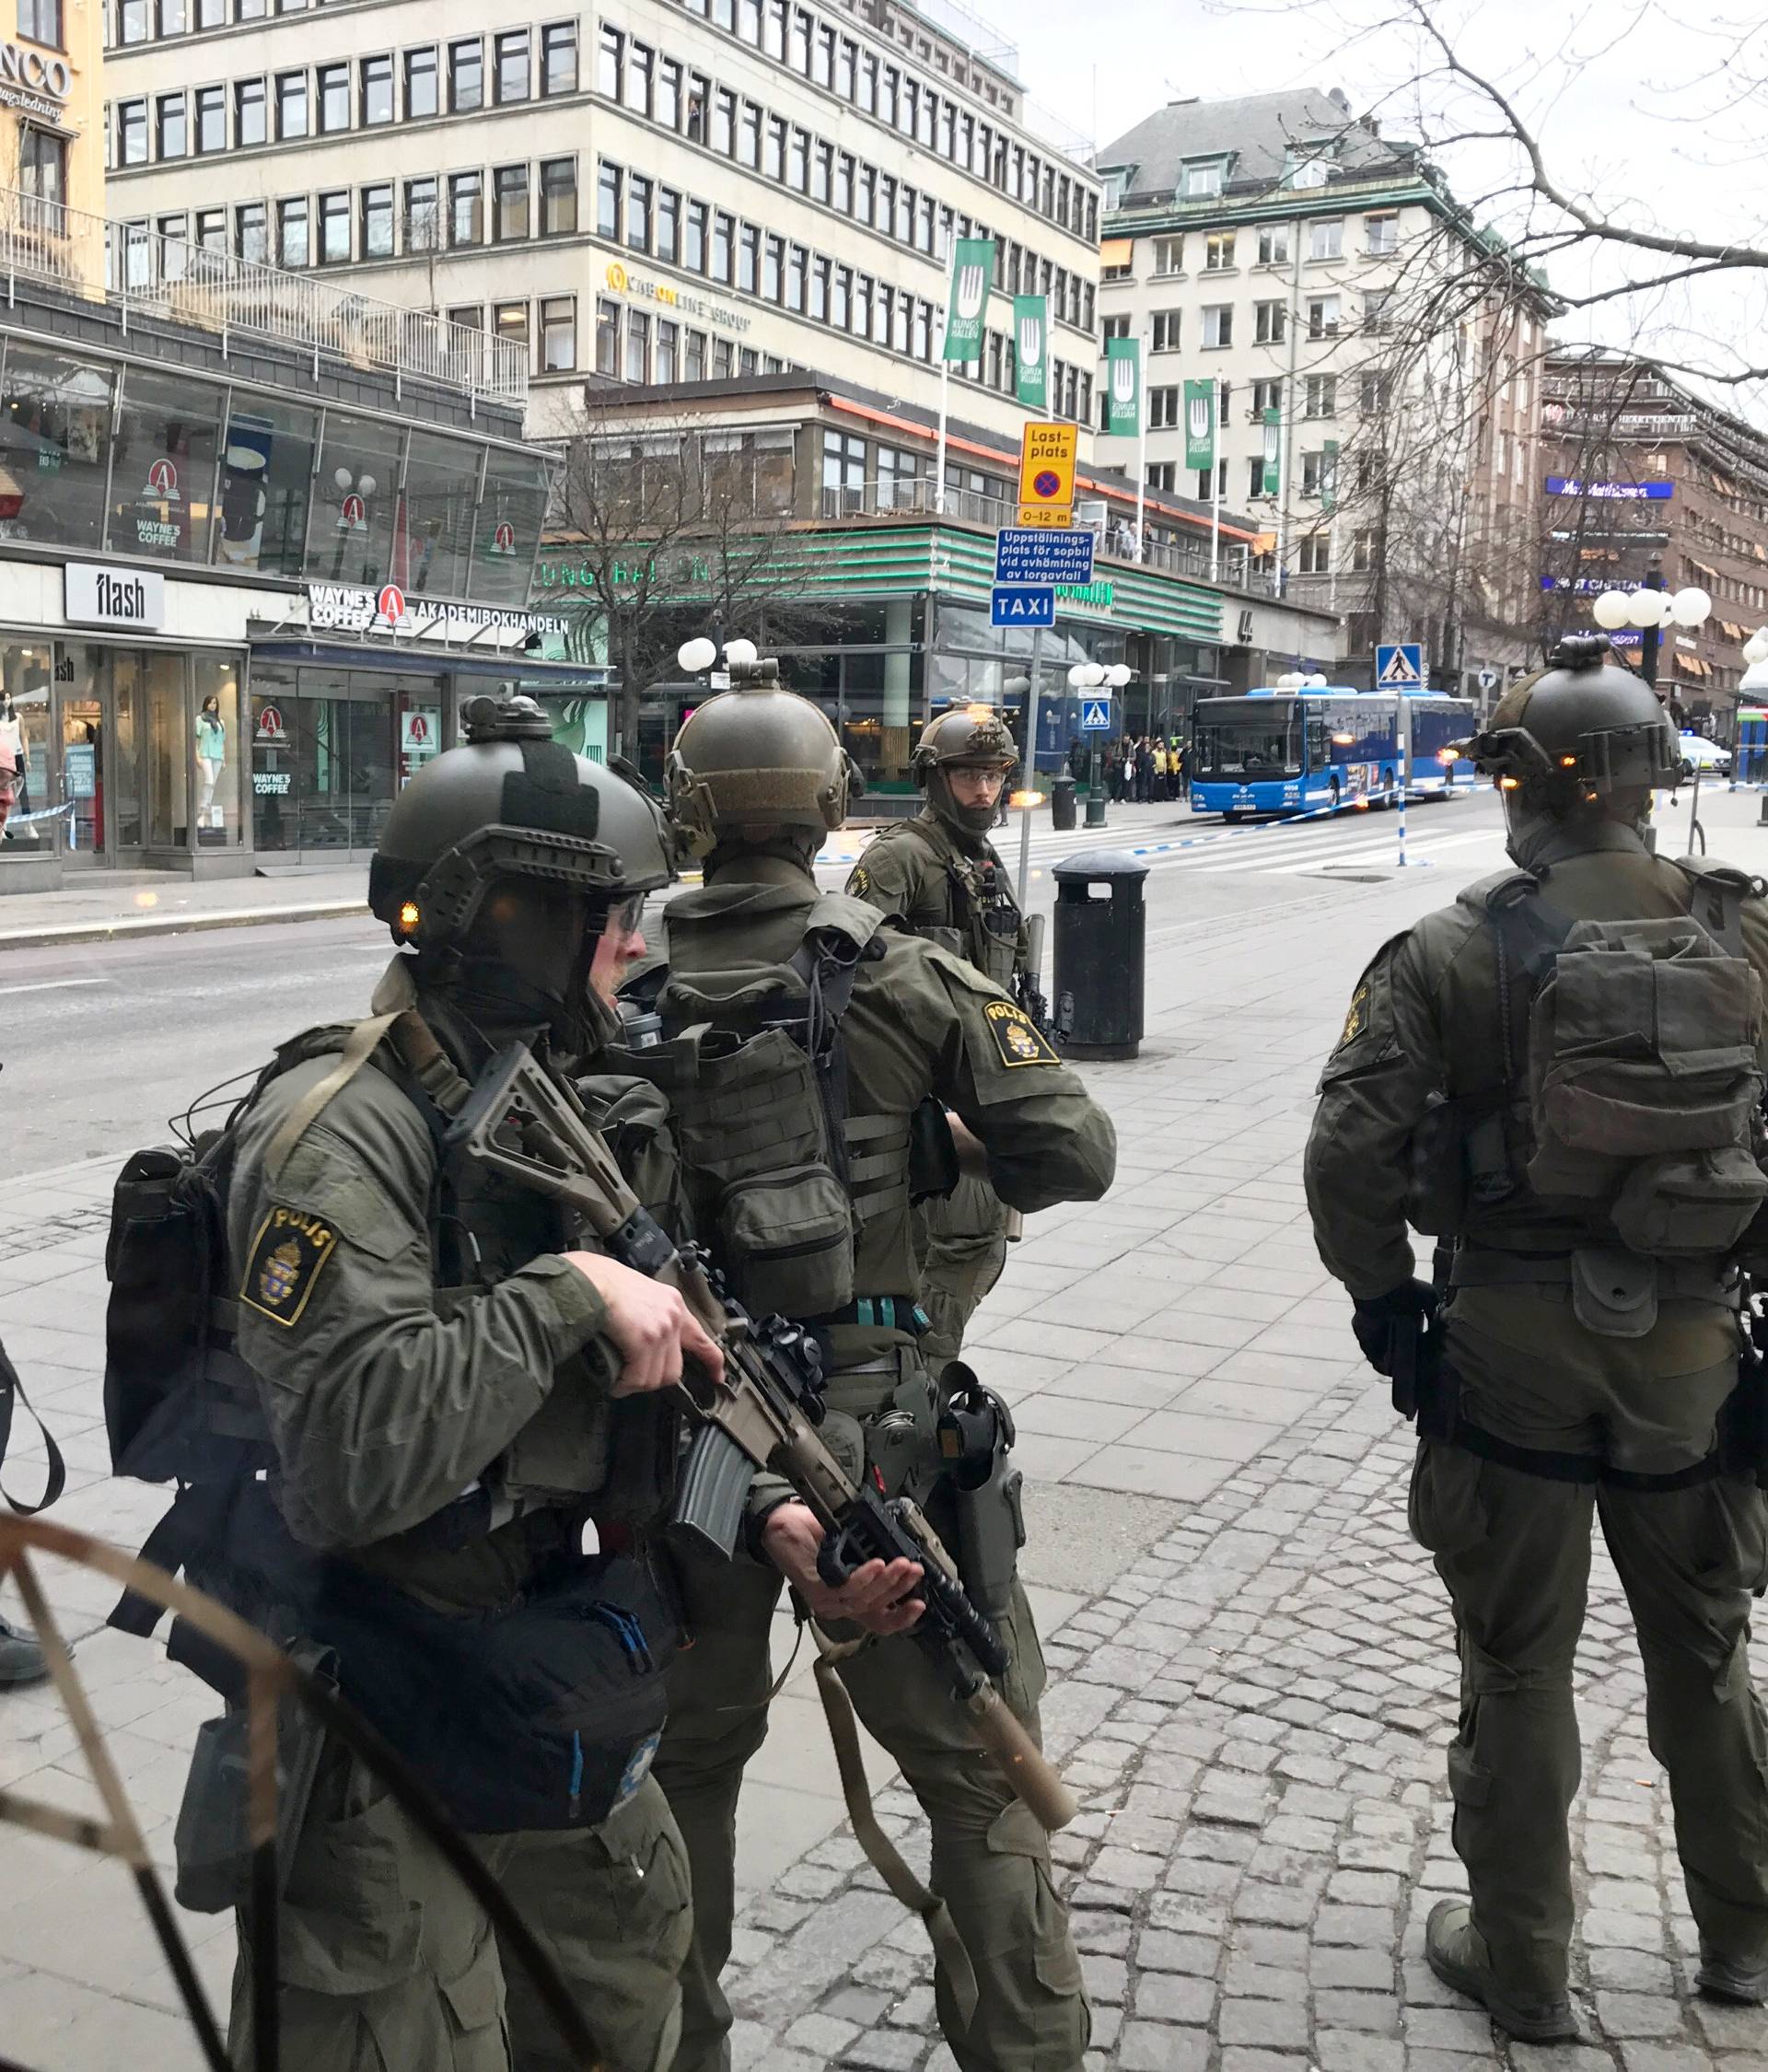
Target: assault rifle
x=762 y=1414
x=1028 y=989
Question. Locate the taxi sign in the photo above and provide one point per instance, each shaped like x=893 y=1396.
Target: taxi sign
x=1047 y=471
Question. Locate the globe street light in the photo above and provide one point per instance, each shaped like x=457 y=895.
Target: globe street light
x=697 y=656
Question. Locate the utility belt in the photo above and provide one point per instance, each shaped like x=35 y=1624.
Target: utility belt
x=880 y=1312
x=1615 y=1292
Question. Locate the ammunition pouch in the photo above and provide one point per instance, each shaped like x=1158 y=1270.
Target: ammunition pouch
x=983 y=1488
x=933 y=1154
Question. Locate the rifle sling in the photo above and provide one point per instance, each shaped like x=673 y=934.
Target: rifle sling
x=948 y=1951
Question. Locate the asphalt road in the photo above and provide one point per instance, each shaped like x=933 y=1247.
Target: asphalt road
x=101 y=1043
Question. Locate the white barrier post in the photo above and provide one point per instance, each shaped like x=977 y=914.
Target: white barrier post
x=1403 y=802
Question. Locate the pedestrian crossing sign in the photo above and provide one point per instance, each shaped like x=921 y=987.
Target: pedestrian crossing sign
x=1400 y=666
x=1096 y=716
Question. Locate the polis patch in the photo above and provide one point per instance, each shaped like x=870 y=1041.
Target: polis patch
x=1016 y=1037
x=861 y=881
x=286 y=1257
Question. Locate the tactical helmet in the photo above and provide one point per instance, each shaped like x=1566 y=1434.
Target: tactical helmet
x=966 y=738
x=1581 y=729
x=755 y=760
x=508 y=803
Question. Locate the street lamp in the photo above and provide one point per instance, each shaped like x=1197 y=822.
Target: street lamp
x=696 y=657
x=1651 y=608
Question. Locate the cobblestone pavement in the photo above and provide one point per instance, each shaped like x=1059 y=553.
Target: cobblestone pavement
x=1255 y=1715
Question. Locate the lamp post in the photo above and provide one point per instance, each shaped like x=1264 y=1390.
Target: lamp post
x=1097 y=676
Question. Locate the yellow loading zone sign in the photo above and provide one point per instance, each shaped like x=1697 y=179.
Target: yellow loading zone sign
x=1047 y=473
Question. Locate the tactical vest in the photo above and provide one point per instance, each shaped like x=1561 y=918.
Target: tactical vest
x=989 y=931
x=779 y=1174
x=1627 y=1111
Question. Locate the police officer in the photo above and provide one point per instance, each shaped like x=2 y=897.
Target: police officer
x=939 y=875
x=449 y=1381
x=755 y=782
x=1571 y=1371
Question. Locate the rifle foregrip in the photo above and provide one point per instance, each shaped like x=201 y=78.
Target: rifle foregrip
x=715 y=1486
x=1022 y=1763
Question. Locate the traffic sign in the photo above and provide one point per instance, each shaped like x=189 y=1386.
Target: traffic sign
x=1040 y=555
x=1096 y=716
x=1400 y=666
x=1488 y=679
x=1021 y=604
x=1047 y=472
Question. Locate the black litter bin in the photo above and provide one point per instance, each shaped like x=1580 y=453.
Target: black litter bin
x=1099 y=952
x=1062 y=806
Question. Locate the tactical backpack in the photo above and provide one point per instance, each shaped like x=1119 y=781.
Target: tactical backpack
x=1634 y=1083
x=755 y=1065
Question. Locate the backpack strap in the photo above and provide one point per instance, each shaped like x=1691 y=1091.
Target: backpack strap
x=359 y=1047
x=1716 y=894
x=56 y=1468
x=1529 y=933
x=840 y=935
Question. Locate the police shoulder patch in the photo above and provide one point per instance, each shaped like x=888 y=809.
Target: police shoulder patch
x=860 y=882
x=287 y=1255
x=1016 y=1037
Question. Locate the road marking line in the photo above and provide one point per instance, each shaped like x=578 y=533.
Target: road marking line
x=51 y=985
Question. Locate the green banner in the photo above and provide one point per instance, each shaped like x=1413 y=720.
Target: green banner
x=1031 y=362
x=1200 y=425
x=972 y=273
x=1124 y=390
x=1272 y=451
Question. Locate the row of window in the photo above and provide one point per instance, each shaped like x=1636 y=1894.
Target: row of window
x=886 y=92
x=1226 y=249
x=328 y=100
x=783 y=151
x=139 y=21
x=1320 y=316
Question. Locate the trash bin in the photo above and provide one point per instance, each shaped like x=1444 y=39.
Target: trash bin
x=1097 y=978
x=1095 y=808
x=1062 y=806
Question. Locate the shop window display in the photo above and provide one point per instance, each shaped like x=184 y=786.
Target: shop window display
x=266 y=482
x=510 y=515
x=351 y=535
x=167 y=735
x=163 y=473
x=24 y=728
x=436 y=518
x=216 y=687
x=54 y=445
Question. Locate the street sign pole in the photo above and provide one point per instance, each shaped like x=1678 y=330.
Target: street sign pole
x=1031 y=779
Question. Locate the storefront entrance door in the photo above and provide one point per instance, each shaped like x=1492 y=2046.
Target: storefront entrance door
x=322 y=766
x=83 y=774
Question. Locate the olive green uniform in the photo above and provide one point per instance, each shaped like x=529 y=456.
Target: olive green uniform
x=388 y=1396
x=952 y=890
x=920 y=1023
x=1513 y=1546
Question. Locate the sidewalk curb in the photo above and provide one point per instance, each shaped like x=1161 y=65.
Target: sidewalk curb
x=127 y=927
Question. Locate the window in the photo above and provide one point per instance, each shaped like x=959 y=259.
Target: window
x=724 y=235
x=1255 y=475
x=668 y=224
x=1322 y=315
x=558 y=197
x=334 y=229
x=822 y=163
x=611 y=67
x=212 y=229
x=251 y=113
x=693 y=355
x=694 y=238
x=1169 y=255
x=466 y=74
x=1317 y=471
x=171 y=128
x=332 y=86
x=559 y=334
x=797 y=265
x=1315 y=556
x=638 y=346
x=668 y=107
x=798 y=162
x=1363 y=549
x=466 y=207
x=1320 y=397
x=422 y=97
x=1373 y=393
x=1200 y=176
x=773 y=269
x=377 y=90
x=1266 y=395
x=423 y=215
x=559 y=76
x=1326 y=238
x=667 y=362
x=1113 y=327
x=211 y=118
x=608 y=189
x=1218 y=251
x=1269 y=322
x=748 y=258
x=40 y=21
x=252 y=233
x=211 y=14
x=818 y=309
x=1377 y=307
x=1273 y=245
x=1163 y=407
x=293 y=233
x=749 y=136
x=1219 y=325
x=378 y=220
x=638 y=213
x=134 y=21
x=1166 y=331
x=510 y=204
x=607 y=337
x=509 y=321
x=1381 y=233
x=291 y=104
x=514 y=75
x=694 y=108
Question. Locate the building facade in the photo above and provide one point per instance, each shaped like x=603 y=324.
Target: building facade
x=826 y=542
x=650 y=193
x=1643 y=478
x=257 y=542
x=1320 y=275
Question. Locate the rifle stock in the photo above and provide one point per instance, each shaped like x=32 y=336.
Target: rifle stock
x=761 y=1412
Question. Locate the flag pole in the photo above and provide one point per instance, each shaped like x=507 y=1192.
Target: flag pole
x=1216 y=485
x=1141 y=449
x=945 y=383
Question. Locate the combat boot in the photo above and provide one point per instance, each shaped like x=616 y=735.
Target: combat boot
x=21 y=1660
x=1458 y=1954
x=1744 y=1985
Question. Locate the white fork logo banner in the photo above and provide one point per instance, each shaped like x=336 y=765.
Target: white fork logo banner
x=1123 y=390
x=1031 y=373
x=973 y=268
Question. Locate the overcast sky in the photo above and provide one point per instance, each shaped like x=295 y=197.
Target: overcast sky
x=1654 y=118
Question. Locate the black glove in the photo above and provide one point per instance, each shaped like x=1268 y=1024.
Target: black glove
x=1411 y=1307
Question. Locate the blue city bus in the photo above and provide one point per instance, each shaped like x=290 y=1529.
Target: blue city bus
x=1299 y=752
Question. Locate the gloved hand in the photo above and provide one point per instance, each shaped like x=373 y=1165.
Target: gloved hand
x=1414 y=1304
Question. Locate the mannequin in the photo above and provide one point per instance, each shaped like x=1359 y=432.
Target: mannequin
x=12 y=743
x=211 y=761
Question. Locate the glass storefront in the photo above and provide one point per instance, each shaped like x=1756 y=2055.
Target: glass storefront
x=330 y=748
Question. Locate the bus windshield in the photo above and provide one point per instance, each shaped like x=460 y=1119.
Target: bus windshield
x=1248 y=738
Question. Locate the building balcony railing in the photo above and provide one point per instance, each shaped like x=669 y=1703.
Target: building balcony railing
x=141 y=273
